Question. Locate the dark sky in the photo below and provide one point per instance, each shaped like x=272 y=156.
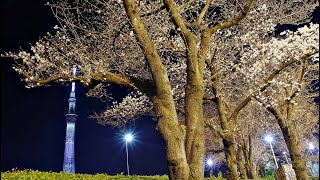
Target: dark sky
x=32 y=120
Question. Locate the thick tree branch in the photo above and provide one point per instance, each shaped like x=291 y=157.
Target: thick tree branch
x=206 y=36
x=216 y=129
x=218 y=99
x=270 y=108
x=234 y=21
x=209 y=98
x=192 y=52
x=215 y=151
x=180 y=110
x=158 y=71
x=203 y=12
x=184 y=6
x=177 y=17
x=117 y=34
x=145 y=86
x=293 y=94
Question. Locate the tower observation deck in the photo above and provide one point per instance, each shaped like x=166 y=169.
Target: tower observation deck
x=71 y=117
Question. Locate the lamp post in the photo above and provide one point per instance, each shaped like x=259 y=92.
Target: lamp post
x=285 y=155
x=128 y=138
x=210 y=164
x=269 y=139
x=311 y=148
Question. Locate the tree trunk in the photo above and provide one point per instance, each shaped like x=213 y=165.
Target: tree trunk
x=174 y=137
x=230 y=152
x=298 y=164
x=196 y=163
x=250 y=166
x=290 y=136
x=168 y=126
x=258 y=167
x=262 y=171
x=227 y=137
x=251 y=172
x=195 y=137
x=242 y=168
x=195 y=141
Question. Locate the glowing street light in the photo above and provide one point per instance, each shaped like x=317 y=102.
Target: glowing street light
x=311 y=148
x=128 y=138
x=210 y=164
x=269 y=139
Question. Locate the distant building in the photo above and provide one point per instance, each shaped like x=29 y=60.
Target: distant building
x=71 y=117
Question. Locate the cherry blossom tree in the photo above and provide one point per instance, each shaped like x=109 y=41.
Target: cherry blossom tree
x=174 y=56
x=243 y=63
x=290 y=97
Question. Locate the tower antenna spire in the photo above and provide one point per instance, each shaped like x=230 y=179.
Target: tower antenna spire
x=71 y=117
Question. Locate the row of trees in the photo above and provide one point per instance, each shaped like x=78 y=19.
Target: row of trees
x=199 y=67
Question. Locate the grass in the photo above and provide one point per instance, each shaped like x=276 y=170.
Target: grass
x=38 y=175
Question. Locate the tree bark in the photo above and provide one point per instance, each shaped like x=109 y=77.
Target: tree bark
x=250 y=166
x=194 y=144
x=298 y=163
x=195 y=141
x=258 y=167
x=230 y=152
x=168 y=126
x=251 y=171
x=227 y=137
x=290 y=137
x=174 y=137
x=242 y=168
x=261 y=170
x=185 y=145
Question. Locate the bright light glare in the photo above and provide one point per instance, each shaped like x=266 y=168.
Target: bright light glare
x=128 y=137
x=311 y=146
x=269 y=138
x=210 y=162
x=283 y=152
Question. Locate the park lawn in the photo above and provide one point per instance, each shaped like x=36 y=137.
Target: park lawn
x=38 y=175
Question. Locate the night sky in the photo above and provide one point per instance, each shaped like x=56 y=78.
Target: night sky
x=32 y=120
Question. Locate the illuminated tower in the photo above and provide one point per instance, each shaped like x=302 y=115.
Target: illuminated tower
x=71 y=117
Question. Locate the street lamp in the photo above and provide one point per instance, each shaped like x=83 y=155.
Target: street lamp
x=285 y=155
x=269 y=139
x=210 y=164
x=311 y=148
x=128 y=138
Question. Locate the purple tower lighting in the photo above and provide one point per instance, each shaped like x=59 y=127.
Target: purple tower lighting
x=71 y=117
